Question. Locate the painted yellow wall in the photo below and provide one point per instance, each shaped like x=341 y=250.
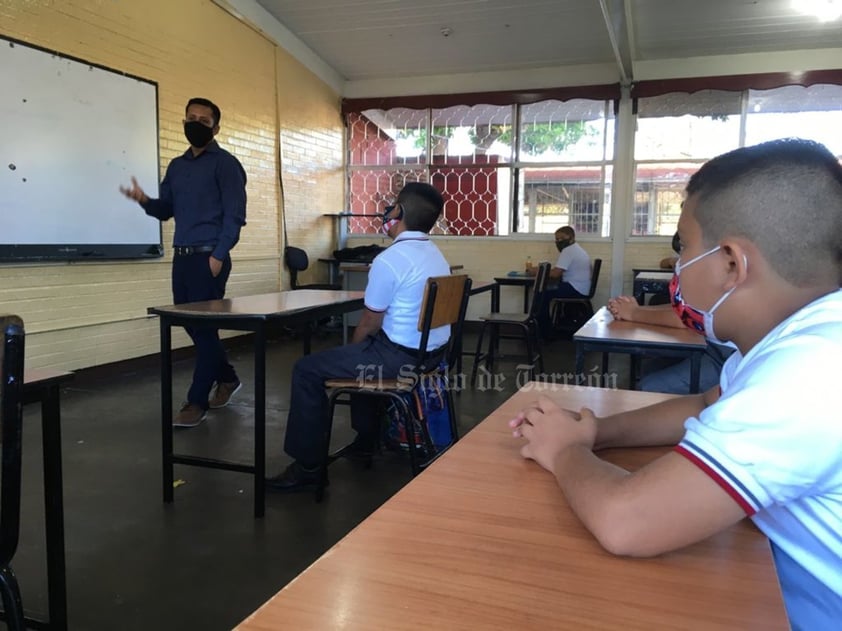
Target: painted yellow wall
x=484 y=258
x=86 y=314
x=312 y=148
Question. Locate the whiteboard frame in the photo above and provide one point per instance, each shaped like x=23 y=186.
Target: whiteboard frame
x=48 y=251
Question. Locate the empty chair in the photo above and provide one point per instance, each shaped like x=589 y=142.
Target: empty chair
x=526 y=325
x=569 y=314
x=445 y=302
x=296 y=261
x=11 y=397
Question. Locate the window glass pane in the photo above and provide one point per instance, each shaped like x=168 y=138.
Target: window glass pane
x=813 y=112
x=659 y=191
x=381 y=137
x=554 y=131
x=472 y=134
x=681 y=126
x=373 y=189
x=560 y=196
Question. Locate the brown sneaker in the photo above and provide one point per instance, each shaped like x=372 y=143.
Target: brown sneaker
x=190 y=415
x=223 y=393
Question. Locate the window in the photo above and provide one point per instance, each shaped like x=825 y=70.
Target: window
x=677 y=132
x=552 y=170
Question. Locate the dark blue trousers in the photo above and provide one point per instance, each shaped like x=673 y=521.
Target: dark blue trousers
x=307 y=423
x=192 y=282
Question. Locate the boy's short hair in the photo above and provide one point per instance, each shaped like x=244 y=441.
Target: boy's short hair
x=422 y=206
x=785 y=196
x=567 y=231
x=198 y=100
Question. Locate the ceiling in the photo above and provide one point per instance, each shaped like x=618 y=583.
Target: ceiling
x=364 y=40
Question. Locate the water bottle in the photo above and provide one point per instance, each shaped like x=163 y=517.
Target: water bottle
x=528 y=263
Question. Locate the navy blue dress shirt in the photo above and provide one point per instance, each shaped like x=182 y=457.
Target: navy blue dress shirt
x=206 y=195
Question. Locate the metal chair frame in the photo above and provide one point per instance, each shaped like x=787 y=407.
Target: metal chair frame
x=526 y=325
x=10 y=485
x=432 y=316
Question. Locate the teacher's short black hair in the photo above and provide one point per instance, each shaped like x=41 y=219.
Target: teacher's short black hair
x=198 y=100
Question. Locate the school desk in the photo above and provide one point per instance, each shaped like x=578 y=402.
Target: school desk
x=484 y=539
x=602 y=333
x=247 y=313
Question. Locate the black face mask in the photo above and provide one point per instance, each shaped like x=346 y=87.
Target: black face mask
x=198 y=135
x=560 y=245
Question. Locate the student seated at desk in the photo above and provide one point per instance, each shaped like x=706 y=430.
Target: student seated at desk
x=767 y=444
x=384 y=345
x=673 y=375
x=571 y=272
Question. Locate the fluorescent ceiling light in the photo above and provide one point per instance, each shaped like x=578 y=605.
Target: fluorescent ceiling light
x=824 y=10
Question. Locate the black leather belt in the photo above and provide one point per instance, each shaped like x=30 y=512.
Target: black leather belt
x=412 y=351
x=187 y=250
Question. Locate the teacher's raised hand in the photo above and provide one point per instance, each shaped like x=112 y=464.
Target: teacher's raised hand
x=134 y=192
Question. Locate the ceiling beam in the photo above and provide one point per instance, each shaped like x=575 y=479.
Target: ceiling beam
x=617 y=17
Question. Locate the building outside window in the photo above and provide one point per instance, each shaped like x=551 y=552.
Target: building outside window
x=532 y=168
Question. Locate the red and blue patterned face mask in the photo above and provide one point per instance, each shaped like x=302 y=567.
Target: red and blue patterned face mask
x=391 y=218
x=696 y=319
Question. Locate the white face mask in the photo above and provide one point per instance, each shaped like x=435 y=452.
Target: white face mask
x=680 y=305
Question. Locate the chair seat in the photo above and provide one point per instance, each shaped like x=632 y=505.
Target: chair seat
x=517 y=318
x=402 y=385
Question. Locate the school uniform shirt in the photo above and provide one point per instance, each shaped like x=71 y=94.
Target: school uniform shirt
x=577 y=267
x=773 y=441
x=396 y=283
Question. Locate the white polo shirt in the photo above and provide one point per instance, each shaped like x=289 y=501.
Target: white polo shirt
x=577 y=267
x=396 y=284
x=773 y=441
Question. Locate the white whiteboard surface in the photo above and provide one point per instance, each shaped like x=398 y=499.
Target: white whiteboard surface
x=70 y=134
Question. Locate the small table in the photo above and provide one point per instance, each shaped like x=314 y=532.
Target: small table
x=44 y=387
x=651 y=282
x=520 y=280
x=247 y=313
x=604 y=334
x=485 y=540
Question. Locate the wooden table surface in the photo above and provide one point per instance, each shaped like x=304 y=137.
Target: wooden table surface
x=603 y=326
x=485 y=540
x=260 y=305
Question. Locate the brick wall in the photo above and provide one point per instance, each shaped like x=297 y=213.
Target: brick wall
x=85 y=314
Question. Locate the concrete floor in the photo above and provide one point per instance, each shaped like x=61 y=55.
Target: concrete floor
x=203 y=562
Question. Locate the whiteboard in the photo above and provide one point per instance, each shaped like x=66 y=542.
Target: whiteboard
x=71 y=133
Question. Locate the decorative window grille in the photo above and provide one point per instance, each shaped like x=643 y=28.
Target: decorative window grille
x=497 y=177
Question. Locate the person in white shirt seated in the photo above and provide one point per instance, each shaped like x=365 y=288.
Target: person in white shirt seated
x=570 y=277
x=384 y=345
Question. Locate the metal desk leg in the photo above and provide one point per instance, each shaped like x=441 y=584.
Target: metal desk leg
x=526 y=298
x=54 y=509
x=580 y=363
x=695 y=372
x=259 y=421
x=166 y=409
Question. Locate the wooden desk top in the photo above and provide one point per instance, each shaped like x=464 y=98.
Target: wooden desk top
x=662 y=275
x=603 y=327
x=493 y=545
x=261 y=305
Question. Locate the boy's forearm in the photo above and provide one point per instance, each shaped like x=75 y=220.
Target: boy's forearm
x=659 y=424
